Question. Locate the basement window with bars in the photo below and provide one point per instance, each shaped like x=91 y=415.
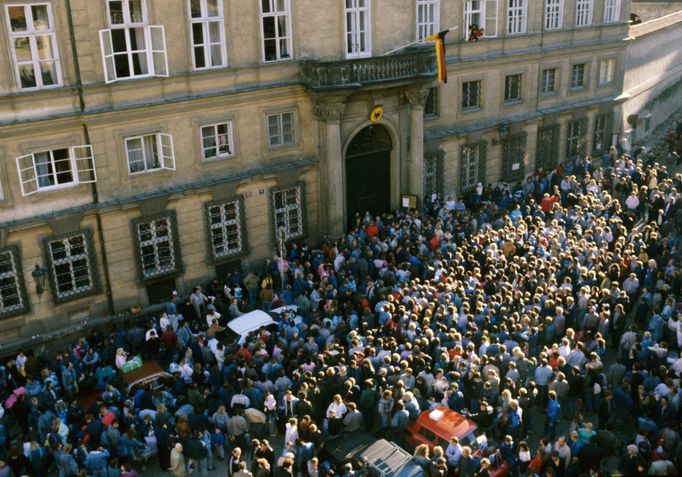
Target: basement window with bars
x=472 y=165
x=131 y=48
x=12 y=292
x=71 y=266
x=56 y=169
x=157 y=246
x=225 y=228
x=288 y=212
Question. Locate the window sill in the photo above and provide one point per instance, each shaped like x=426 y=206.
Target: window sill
x=578 y=89
x=150 y=171
x=431 y=117
x=474 y=109
x=210 y=160
x=282 y=146
x=513 y=102
x=549 y=94
x=280 y=60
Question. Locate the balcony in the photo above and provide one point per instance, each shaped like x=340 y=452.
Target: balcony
x=412 y=64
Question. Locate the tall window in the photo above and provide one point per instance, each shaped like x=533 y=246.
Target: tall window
x=12 y=292
x=156 y=246
x=472 y=165
x=471 y=95
x=57 y=168
x=512 y=88
x=480 y=14
x=281 y=129
x=583 y=12
x=428 y=19
x=548 y=81
x=34 y=45
x=216 y=141
x=130 y=47
x=611 y=11
x=547 y=146
x=208 y=34
x=606 y=70
x=576 y=138
x=514 y=156
x=431 y=106
x=225 y=228
x=276 y=28
x=602 y=132
x=358 y=28
x=578 y=76
x=150 y=152
x=286 y=205
x=517 y=16
x=554 y=14
x=70 y=266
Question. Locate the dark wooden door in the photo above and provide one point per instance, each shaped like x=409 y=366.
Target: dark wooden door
x=368 y=183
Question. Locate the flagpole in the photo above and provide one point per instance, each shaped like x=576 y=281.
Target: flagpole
x=411 y=43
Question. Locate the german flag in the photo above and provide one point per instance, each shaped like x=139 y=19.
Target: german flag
x=439 y=40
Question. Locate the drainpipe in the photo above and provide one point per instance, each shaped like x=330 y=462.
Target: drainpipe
x=86 y=134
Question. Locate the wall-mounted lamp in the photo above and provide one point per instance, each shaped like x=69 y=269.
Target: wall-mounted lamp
x=39 y=275
x=503 y=132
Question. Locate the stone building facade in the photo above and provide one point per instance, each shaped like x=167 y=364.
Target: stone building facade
x=148 y=145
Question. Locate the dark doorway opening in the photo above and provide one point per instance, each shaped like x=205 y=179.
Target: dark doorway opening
x=159 y=292
x=368 y=172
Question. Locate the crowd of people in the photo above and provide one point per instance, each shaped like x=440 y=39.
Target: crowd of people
x=547 y=314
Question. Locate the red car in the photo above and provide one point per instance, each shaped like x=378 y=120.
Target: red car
x=436 y=428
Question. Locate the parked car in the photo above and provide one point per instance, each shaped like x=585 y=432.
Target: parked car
x=369 y=456
x=436 y=427
x=239 y=328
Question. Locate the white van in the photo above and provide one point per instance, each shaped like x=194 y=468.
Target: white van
x=240 y=327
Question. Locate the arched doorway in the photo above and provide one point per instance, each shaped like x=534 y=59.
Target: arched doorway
x=368 y=172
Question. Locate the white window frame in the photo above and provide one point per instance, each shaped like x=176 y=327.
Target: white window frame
x=583 y=80
x=554 y=14
x=284 y=14
x=583 y=12
x=611 y=11
x=279 y=133
x=428 y=18
x=357 y=28
x=154 y=50
x=206 y=20
x=509 y=87
x=164 y=150
x=468 y=94
x=220 y=140
x=81 y=163
x=544 y=83
x=155 y=241
x=291 y=207
x=470 y=157
x=517 y=17
x=607 y=68
x=32 y=35
x=14 y=288
x=225 y=220
x=70 y=260
x=487 y=17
